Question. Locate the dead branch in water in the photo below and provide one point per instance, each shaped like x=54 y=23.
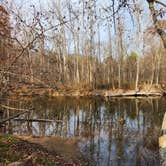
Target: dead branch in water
x=12 y=108
x=14 y=116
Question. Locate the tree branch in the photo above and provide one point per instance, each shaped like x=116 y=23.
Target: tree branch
x=161 y=3
x=158 y=28
x=12 y=108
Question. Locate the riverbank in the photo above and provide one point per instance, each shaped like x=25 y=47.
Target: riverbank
x=146 y=90
x=16 y=151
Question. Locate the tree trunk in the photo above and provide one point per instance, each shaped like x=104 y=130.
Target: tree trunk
x=158 y=28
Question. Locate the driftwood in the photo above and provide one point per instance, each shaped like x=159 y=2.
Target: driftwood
x=36 y=120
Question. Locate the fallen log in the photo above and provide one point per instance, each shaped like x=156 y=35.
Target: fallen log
x=135 y=94
x=14 y=116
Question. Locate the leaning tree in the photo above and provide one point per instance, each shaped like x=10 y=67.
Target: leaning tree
x=155 y=14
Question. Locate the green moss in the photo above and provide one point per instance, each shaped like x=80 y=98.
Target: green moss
x=6 y=136
x=7 y=140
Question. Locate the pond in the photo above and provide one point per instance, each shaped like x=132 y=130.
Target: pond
x=114 y=132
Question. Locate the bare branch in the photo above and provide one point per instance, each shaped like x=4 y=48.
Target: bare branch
x=161 y=3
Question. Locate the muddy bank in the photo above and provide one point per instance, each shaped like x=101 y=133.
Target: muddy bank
x=147 y=90
x=16 y=151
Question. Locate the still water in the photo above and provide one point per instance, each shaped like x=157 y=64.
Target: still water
x=113 y=132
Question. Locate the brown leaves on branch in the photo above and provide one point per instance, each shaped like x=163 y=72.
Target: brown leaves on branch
x=5 y=28
x=152 y=29
x=5 y=32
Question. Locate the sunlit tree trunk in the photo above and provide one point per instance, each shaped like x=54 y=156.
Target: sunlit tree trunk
x=154 y=14
x=139 y=30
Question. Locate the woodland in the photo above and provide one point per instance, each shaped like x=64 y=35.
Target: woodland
x=82 y=44
x=82 y=48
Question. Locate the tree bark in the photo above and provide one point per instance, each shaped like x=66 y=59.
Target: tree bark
x=158 y=28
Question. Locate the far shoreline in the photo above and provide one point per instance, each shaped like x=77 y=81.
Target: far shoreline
x=28 y=91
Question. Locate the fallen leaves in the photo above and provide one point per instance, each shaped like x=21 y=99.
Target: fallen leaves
x=22 y=152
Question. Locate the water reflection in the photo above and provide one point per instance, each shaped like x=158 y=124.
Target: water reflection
x=117 y=132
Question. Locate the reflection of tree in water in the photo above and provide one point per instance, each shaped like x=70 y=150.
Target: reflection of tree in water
x=97 y=123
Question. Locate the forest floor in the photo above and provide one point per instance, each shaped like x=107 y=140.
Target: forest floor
x=28 y=151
